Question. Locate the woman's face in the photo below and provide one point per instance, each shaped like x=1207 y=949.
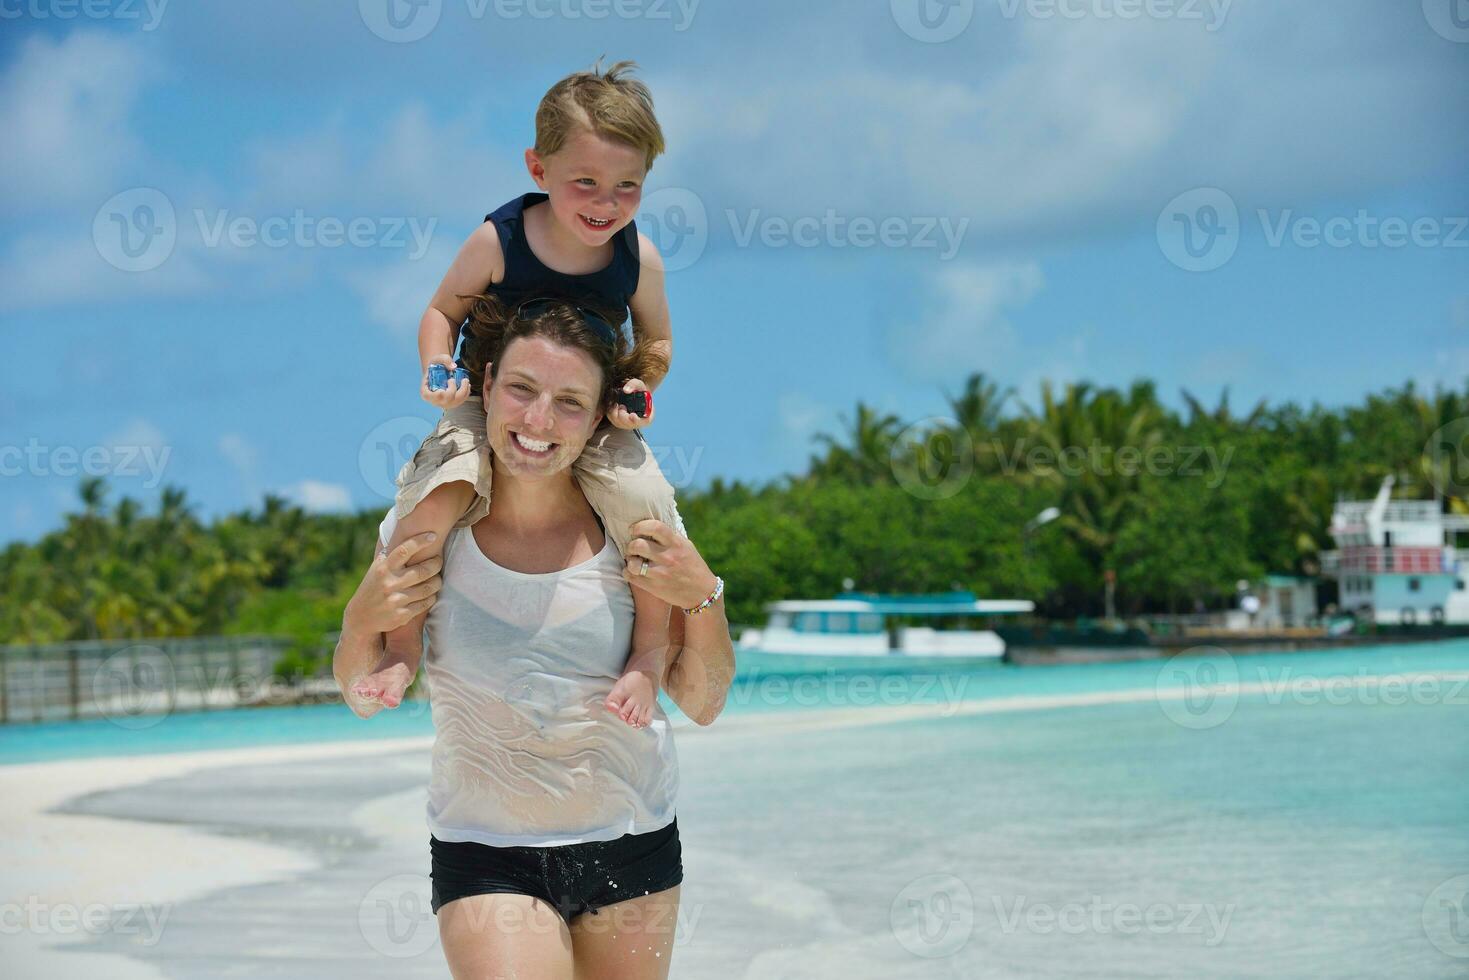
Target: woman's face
x=543 y=406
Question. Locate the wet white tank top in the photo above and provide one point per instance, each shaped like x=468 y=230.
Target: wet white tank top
x=517 y=664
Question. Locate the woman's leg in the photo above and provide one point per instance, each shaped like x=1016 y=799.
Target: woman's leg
x=494 y=937
x=631 y=940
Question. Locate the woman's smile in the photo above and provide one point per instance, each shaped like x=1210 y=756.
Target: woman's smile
x=534 y=448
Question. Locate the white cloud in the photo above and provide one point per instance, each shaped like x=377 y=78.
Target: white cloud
x=138 y=432
x=242 y=455
x=799 y=418
x=44 y=270
x=396 y=295
x=409 y=164
x=1066 y=361
x=64 y=113
x=969 y=328
x=316 y=496
x=1054 y=129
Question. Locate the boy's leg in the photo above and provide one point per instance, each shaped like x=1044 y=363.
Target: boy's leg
x=624 y=485
x=403 y=649
x=445 y=485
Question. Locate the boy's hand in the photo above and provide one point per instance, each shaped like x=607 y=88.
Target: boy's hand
x=624 y=419
x=455 y=394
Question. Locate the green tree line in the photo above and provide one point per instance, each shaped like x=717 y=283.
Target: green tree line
x=1178 y=505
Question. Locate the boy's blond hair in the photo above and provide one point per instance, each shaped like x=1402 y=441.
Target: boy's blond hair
x=611 y=104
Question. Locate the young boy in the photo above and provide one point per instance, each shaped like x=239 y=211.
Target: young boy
x=596 y=139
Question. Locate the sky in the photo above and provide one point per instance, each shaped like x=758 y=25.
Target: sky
x=222 y=221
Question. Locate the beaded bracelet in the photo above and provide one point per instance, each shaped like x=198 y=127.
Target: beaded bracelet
x=713 y=597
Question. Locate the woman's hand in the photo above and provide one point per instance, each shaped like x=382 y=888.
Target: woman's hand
x=395 y=588
x=675 y=571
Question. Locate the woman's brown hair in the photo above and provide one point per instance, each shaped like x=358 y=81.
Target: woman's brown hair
x=493 y=325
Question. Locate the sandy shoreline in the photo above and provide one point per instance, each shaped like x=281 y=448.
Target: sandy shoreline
x=296 y=841
x=67 y=864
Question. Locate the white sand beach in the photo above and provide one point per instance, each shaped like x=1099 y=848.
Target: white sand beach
x=810 y=837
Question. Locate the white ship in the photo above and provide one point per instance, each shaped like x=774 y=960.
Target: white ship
x=1396 y=561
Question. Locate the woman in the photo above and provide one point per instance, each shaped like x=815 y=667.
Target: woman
x=555 y=849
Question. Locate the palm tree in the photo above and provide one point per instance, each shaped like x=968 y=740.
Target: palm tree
x=1221 y=416
x=1083 y=431
x=863 y=453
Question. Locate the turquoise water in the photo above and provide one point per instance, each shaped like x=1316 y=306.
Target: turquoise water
x=753 y=693
x=1301 y=839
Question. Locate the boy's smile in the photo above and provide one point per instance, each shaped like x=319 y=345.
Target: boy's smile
x=595 y=185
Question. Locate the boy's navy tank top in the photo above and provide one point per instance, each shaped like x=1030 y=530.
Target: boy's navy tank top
x=526 y=277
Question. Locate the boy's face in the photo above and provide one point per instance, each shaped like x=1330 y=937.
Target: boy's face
x=591 y=180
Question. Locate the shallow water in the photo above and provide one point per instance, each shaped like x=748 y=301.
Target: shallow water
x=1302 y=832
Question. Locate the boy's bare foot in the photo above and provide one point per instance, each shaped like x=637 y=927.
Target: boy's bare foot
x=385 y=686
x=633 y=697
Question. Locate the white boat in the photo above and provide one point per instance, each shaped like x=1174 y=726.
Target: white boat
x=1396 y=561
x=877 y=629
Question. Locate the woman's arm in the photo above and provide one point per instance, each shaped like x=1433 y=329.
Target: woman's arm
x=701 y=663
x=394 y=591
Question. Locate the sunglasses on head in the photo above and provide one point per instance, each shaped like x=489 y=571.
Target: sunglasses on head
x=598 y=323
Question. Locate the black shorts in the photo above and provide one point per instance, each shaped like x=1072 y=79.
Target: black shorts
x=573 y=878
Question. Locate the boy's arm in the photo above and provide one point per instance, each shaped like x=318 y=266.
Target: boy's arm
x=650 y=639
x=478 y=264
x=649 y=306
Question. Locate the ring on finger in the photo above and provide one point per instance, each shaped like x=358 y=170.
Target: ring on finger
x=644 y=569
